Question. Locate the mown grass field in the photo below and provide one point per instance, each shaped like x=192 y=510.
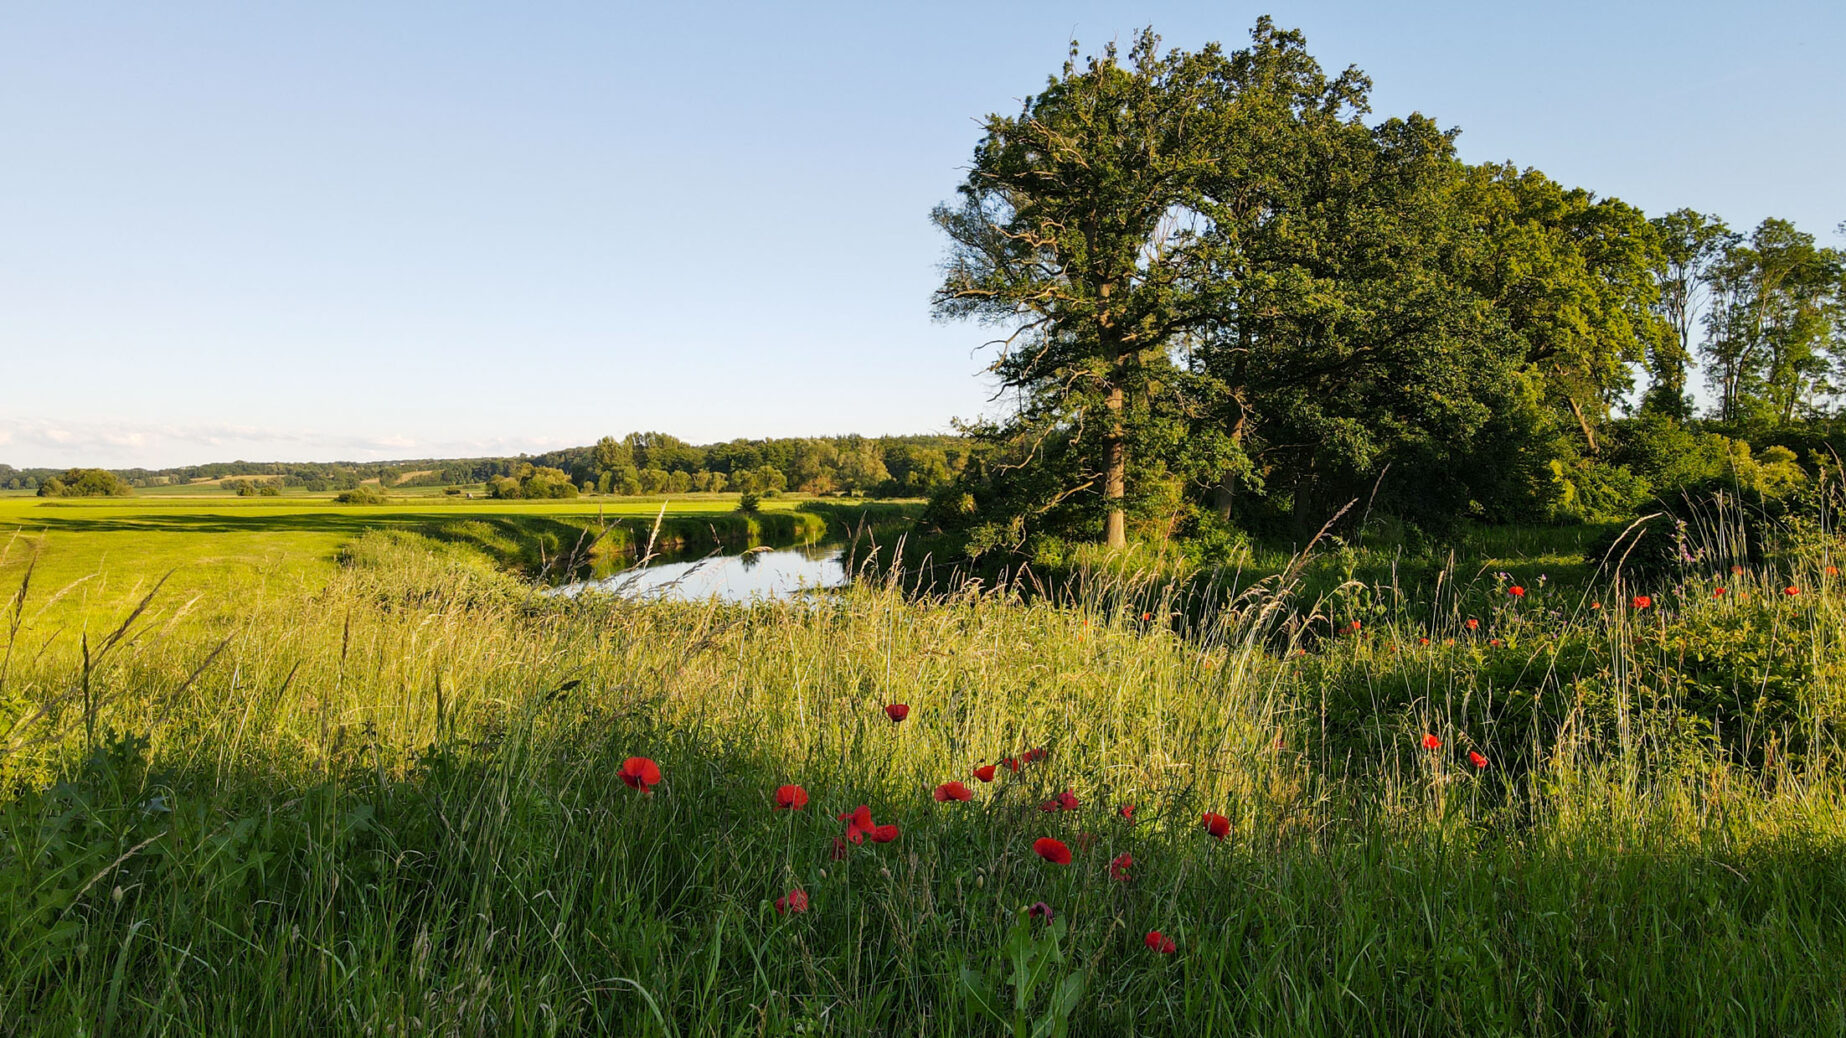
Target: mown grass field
x=371 y=784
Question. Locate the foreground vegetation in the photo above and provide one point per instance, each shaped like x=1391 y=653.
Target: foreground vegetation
x=388 y=798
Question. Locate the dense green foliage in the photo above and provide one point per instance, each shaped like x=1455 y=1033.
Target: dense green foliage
x=1227 y=301
x=84 y=483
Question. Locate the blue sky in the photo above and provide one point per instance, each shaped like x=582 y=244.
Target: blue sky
x=384 y=230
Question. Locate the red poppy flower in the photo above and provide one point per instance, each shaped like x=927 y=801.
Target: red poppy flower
x=897 y=712
x=1475 y=758
x=1119 y=866
x=953 y=791
x=985 y=773
x=640 y=773
x=1033 y=756
x=1160 y=942
x=1473 y=624
x=1040 y=910
x=1495 y=642
x=1127 y=811
x=793 y=901
x=1643 y=602
x=1354 y=626
x=1012 y=763
x=1422 y=641
x=1516 y=591
x=1065 y=801
x=1718 y=593
x=883 y=833
x=1145 y=617
x=1051 y=850
x=1736 y=571
x=1595 y=605
x=1430 y=742
x=791 y=798
x=1833 y=571
x=858 y=823
x=1791 y=591
x=1216 y=824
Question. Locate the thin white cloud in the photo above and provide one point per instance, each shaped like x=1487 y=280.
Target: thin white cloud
x=48 y=443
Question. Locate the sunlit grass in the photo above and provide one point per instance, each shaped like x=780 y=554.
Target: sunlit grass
x=385 y=800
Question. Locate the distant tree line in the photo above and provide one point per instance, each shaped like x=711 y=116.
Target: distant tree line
x=1227 y=301
x=656 y=463
x=639 y=463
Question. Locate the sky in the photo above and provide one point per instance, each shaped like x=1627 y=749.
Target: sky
x=367 y=231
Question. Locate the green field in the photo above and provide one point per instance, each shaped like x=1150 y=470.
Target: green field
x=347 y=774
x=222 y=548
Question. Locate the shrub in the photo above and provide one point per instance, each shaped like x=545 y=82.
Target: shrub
x=363 y=494
x=85 y=483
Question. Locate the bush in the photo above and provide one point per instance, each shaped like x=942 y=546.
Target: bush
x=363 y=494
x=85 y=483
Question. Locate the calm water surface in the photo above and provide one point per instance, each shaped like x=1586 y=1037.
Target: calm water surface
x=758 y=575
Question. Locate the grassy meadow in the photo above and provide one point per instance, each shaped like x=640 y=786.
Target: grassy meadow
x=345 y=772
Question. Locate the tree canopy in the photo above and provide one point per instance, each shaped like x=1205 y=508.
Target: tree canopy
x=1223 y=293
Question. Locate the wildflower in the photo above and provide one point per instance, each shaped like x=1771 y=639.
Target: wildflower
x=1065 y=801
x=1040 y=910
x=1430 y=742
x=1473 y=624
x=1127 y=811
x=1516 y=591
x=1119 y=866
x=1736 y=571
x=1595 y=605
x=1033 y=756
x=953 y=791
x=640 y=773
x=1717 y=593
x=985 y=773
x=1643 y=602
x=1833 y=571
x=791 y=798
x=1011 y=763
x=793 y=901
x=1475 y=758
x=883 y=833
x=1791 y=591
x=1422 y=641
x=1160 y=942
x=1216 y=824
x=1495 y=642
x=1053 y=851
x=858 y=823
x=1145 y=617
x=897 y=712
x=1354 y=626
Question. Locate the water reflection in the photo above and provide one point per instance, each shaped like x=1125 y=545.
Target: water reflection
x=756 y=575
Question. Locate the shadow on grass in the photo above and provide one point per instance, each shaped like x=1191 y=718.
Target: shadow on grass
x=516 y=883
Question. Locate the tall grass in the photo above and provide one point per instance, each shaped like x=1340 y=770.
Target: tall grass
x=392 y=806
